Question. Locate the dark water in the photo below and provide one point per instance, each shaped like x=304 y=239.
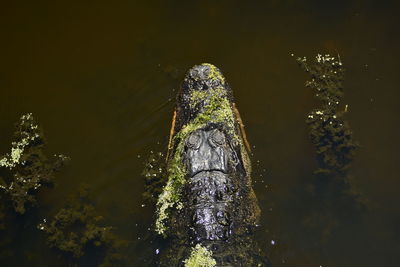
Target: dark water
x=101 y=77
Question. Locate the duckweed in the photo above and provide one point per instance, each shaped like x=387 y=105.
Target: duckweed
x=200 y=257
x=214 y=74
x=29 y=167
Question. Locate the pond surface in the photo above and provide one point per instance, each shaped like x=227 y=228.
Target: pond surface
x=101 y=80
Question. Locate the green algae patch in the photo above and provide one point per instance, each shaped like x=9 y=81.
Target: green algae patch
x=171 y=193
x=200 y=257
x=196 y=96
x=28 y=133
x=217 y=109
x=214 y=74
x=29 y=167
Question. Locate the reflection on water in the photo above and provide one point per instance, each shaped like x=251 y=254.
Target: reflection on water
x=100 y=78
x=155 y=175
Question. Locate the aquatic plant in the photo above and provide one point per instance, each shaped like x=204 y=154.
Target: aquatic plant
x=329 y=132
x=331 y=187
x=29 y=167
x=200 y=257
x=77 y=226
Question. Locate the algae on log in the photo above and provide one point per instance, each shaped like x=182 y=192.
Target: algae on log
x=28 y=166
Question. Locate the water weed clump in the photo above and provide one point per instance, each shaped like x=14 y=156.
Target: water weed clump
x=200 y=257
x=329 y=132
x=76 y=227
x=28 y=165
x=332 y=197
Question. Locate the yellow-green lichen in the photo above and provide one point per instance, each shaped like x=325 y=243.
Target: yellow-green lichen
x=217 y=109
x=200 y=257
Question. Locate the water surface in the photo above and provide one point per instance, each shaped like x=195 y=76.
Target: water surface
x=101 y=79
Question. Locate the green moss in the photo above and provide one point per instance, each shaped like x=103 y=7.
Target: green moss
x=217 y=109
x=200 y=257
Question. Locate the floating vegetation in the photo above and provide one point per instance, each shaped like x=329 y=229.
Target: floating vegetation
x=329 y=132
x=335 y=147
x=200 y=257
x=29 y=167
x=76 y=228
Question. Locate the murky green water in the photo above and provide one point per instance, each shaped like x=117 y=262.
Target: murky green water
x=101 y=79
